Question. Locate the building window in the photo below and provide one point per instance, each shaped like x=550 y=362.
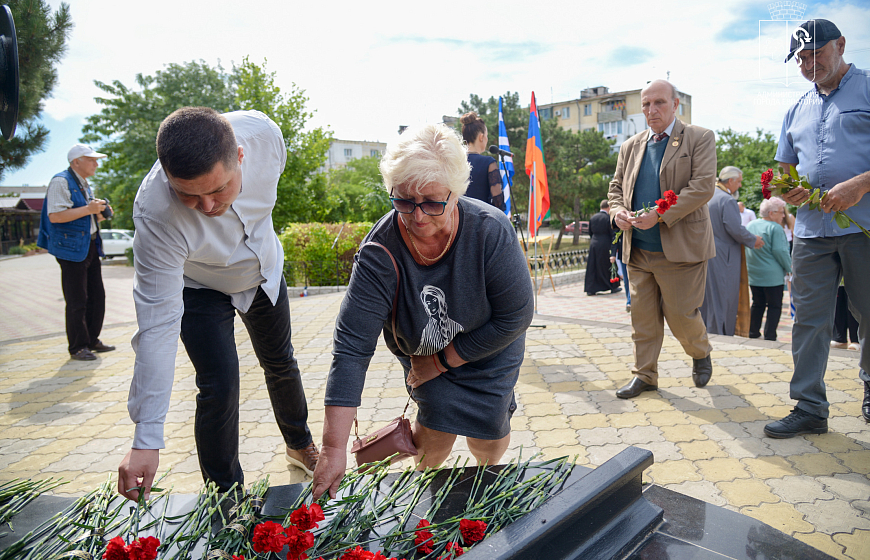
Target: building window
x=546 y=114
x=619 y=127
x=610 y=128
x=587 y=109
x=682 y=112
x=348 y=152
x=566 y=112
x=374 y=153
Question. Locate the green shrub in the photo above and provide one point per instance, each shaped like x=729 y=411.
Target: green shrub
x=309 y=257
x=17 y=250
x=128 y=252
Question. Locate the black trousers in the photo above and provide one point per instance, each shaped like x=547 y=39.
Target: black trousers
x=85 y=298
x=208 y=336
x=844 y=322
x=765 y=297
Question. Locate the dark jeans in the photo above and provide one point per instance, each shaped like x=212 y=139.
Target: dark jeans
x=85 y=296
x=765 y=297
x=844 y=321
x=207 y=334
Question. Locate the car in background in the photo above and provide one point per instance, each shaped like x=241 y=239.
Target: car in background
x=116 y=241
x=584 y=228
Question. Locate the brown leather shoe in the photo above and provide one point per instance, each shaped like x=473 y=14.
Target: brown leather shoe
x=702 y=371
x=305 y=458
x=634 y=388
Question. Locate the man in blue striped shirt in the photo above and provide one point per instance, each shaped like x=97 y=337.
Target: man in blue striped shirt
x=825 y=135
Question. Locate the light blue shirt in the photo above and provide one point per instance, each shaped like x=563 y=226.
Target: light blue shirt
x=826 y=137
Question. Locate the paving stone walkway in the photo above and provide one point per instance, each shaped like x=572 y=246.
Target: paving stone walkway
x=68 y=419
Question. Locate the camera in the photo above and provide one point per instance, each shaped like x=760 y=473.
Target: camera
x=107 y=213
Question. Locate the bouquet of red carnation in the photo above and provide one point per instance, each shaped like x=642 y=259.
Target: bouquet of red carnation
x=669 y=198
x=787 y=181
x=614 y=273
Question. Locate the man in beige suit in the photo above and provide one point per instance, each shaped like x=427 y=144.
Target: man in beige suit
x=666 y=254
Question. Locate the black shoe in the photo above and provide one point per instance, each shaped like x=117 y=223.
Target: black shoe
x=795 y=424
x=634 y=388
x=83 y=355
x=100 y=347
x=865 y=408
x=702 y=371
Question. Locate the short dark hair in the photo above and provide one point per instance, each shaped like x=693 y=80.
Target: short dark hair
x=604 y=204
x=192 y=140
x=472 y=127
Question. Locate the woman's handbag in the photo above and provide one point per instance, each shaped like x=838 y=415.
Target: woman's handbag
x=396 y=436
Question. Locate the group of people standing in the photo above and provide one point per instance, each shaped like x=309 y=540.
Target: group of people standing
x=442 y=277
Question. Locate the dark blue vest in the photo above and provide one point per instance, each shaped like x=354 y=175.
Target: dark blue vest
x=647 y=189
x=69 y=241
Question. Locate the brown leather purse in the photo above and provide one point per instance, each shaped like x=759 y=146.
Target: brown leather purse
x=395 y=437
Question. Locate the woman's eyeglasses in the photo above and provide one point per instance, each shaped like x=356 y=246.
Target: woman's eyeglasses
x=429 y=207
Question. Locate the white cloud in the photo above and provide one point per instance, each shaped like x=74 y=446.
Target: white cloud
x=368 y=67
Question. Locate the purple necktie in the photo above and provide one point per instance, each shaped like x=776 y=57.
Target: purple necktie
x=660 y=137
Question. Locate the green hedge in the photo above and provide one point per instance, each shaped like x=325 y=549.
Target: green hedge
x=309 y=257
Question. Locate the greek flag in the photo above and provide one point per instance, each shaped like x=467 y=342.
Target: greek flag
x=506 y=168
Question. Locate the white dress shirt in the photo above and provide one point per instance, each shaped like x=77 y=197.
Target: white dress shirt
x=177 y=247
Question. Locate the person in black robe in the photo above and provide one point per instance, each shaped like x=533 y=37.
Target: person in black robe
x=602 y=252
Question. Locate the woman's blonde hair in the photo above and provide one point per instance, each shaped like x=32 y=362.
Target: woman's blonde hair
x=429 y=154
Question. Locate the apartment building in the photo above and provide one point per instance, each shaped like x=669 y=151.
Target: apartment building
x=342 y=151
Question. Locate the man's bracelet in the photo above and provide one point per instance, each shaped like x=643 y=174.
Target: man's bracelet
x=435 y=361
x=442 y=357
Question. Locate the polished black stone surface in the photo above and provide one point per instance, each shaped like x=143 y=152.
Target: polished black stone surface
x=696 y=530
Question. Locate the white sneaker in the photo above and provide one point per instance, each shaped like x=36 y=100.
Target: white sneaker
x=835 y=344
x=855 y=346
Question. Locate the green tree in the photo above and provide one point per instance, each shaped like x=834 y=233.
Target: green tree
x=752 y=154
x=357 y=191
x=302 y=192
x=42 y=43
x=126 y=128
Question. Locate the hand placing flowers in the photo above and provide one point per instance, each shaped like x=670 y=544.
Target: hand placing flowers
x=777 y=185
x=669 y=198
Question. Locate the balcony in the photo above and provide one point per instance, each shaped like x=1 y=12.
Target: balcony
x=611 y=116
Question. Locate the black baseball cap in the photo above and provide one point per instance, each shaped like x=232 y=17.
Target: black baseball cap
x=816 y=34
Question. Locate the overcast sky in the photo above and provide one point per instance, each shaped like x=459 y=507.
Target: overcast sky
x=369 y=67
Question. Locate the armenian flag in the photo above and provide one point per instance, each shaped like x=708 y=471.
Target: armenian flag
x=505 y=165
x=539 y=193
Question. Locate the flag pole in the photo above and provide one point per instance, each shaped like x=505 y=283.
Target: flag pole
x=533 y=215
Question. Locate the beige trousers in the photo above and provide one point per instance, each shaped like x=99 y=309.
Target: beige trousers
x=661 y=289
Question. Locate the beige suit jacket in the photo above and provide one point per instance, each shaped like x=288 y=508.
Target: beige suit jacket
x=689 y=169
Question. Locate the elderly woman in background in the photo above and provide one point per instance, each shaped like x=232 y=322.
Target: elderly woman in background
x=464 y=303
x=485 y=182
x=767 y=268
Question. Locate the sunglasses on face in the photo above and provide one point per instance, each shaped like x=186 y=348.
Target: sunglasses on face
x=429 y=207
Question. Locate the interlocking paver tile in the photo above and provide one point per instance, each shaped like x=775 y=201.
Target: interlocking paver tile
x=799 y=489
x=834 y=517
x=769 y=467
x=823 y=542
x=850 y=486
x=673 y=472
x=722 y=469
x=683 y=432
x=701 y=490
x=701 y=449
x=746 y=493
x=817 y=464
x=782 y=516
x=856 y=461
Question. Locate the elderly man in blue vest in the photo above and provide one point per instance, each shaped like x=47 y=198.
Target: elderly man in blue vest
x=69 y=231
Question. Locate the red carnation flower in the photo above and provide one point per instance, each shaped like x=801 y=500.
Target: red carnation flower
x=423 y=539
x=452 y=551
x=269 y=537
x=358 y=553
x=306 y=519
x=115 y=550
x=239 y=557
x=671 y=197
x=767 y=177
x=662 y=205
x=298 y=542
x=765 y=191
x=472 y=531
x=143 y=549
